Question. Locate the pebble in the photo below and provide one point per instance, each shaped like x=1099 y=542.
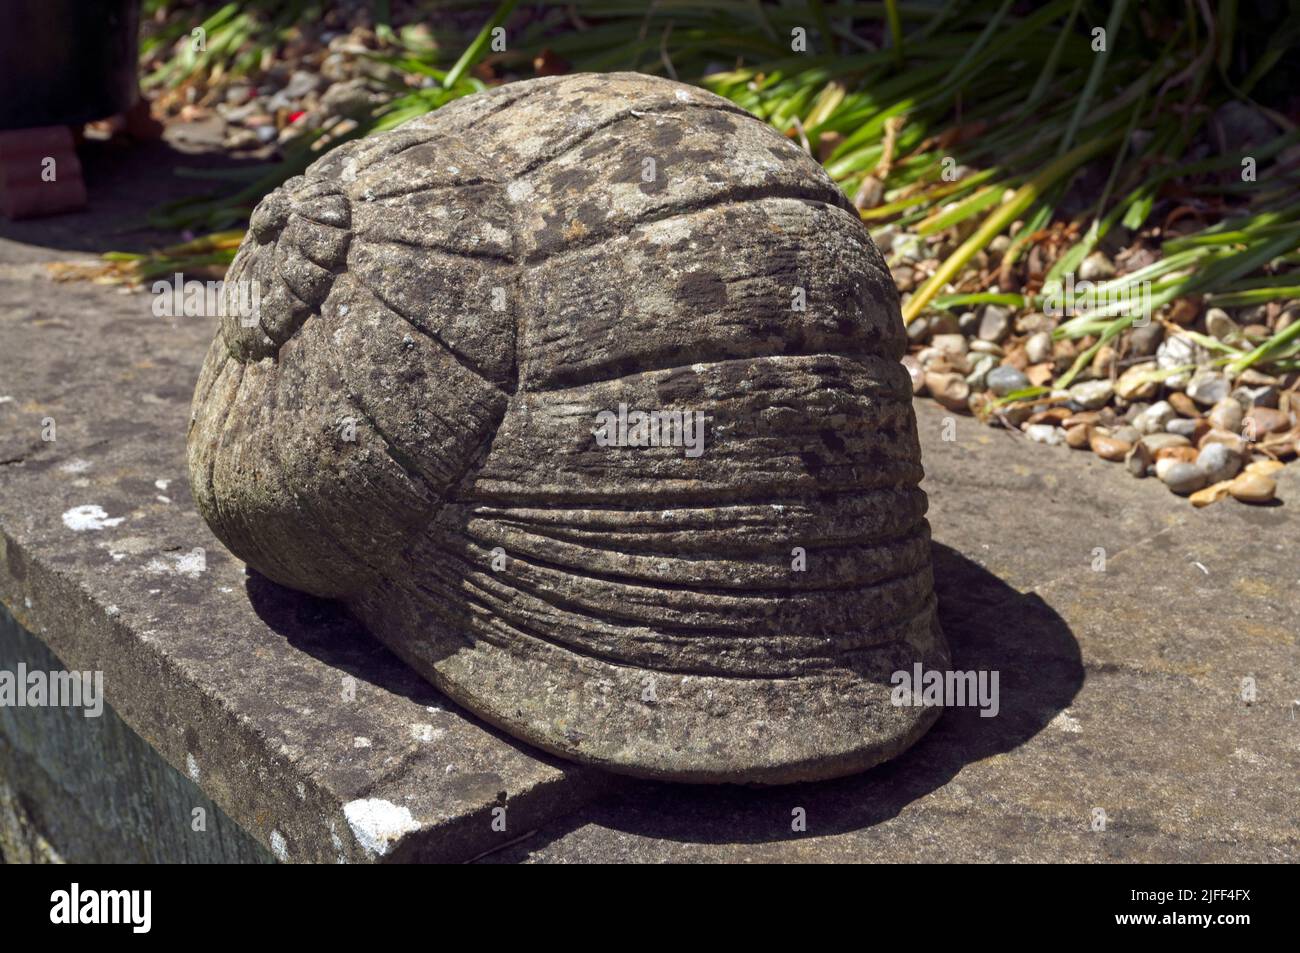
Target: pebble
x=1267 y=420
x=1045 y=433
x=995 y=323
x=1139 y=460
x=945 y=322
x=1126 y=433
x=1091 y=395
x=1221 y=326
x=985 y=347
x=1096 y=267
x=1264 y=467
x=1155 y=418
x=918 y=332
x=1134 y=383
x=1078 y=436
x=1082 y=417
x=1178 y=351
x=1181 y=454
x=1184 y=405
x=1253 y=488
x=980 y=367
x=1109 y=448
x=1218 y=462
x=1158 y=441
x=1144 y=341
x=1210 y=494
x=1038 y=348
x=1052 y=415
x=239 y=94
x=1184 y=312
x=907 y=246
x=1133 y=410
x=950 y=390
x=1185 y=426
x=302 y=82
x=1225 y=415
x=1265 y=395
x=1233 y=440
x=1104 y=361
x=1207 y=388
x=1181 y=478
x=954 y=344
x=1033 y=322
x=1004 y=379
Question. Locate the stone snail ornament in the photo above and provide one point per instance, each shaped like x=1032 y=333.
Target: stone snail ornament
x=584 y=395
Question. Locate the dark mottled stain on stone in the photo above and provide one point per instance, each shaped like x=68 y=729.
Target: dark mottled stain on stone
x=591 y=214
x=682 y=386
x=703 y=291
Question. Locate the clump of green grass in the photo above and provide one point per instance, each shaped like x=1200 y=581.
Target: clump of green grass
x=967 y=122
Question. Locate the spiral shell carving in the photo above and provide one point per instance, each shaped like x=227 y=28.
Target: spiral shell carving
x=433 y=417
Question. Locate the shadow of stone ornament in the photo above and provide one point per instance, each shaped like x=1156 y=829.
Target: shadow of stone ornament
x=468 y=408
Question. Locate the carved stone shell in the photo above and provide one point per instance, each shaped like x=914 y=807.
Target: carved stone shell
x=410 y=425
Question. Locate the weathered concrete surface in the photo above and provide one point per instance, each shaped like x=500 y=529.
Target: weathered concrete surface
x=1120 y=690
x=87 y=789
x=284 y=708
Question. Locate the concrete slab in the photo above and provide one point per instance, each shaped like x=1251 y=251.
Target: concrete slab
x=307 y=733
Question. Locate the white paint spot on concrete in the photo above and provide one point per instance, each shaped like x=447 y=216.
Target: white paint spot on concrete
x=378 y=824
x=192 y=563
x=76 y=466
x=1242 y=754
x=279 y=847
x=427 y=732
x=79 y=519
x=191 y=767
x=359 y=742
x=189 y=564
x=519 y=191
x=1064 y=722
